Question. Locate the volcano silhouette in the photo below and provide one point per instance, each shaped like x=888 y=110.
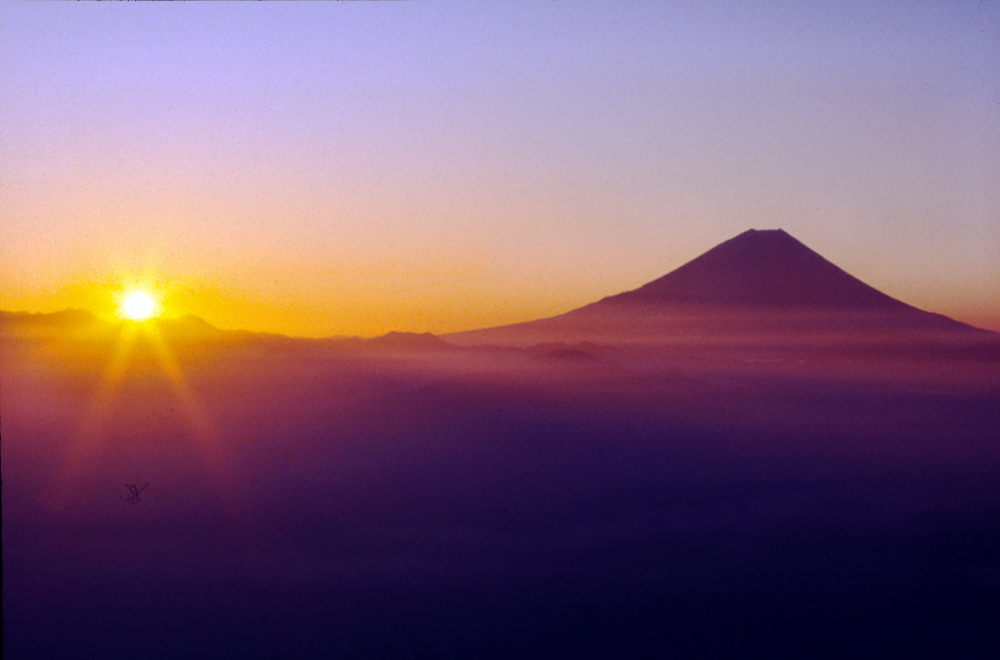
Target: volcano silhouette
x=762 y=282
x=761 y=268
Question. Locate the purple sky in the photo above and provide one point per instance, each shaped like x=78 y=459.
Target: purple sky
x=325 y=168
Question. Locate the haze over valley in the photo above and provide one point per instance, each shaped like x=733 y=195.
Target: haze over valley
x=500 y=330
x=706 y=463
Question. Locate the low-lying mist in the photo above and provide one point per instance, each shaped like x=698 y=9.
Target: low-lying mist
x=407 y=495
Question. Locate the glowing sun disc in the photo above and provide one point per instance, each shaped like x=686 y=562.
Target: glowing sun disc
x=138 y=306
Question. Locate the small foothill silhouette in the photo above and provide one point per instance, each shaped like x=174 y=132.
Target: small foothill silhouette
x=133 y=493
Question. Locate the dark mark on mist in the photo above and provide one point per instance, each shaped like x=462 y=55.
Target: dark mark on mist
x=133 y=493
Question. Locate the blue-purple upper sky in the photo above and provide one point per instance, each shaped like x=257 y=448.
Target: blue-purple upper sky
x=322 y=168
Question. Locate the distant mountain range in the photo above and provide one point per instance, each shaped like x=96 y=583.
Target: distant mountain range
x=762 y=283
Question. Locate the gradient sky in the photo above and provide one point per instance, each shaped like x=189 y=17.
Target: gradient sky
x=342 y=168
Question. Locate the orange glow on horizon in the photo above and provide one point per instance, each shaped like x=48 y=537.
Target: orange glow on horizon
x=309 y=301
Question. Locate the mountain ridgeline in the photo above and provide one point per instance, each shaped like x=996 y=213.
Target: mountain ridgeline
x=766 y=268
x=763 y=285
x=754 y=455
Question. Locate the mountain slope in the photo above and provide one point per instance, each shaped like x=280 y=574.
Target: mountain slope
x=757 y=285
x=761 y=268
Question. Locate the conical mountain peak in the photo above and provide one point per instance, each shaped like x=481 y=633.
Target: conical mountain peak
x=760 y=287
x=766 y=268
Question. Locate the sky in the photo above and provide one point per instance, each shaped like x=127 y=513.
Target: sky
x=320 y=169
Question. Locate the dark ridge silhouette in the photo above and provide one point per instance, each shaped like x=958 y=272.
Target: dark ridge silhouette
x=187 y=326
x=81 y=318
x=395 y=342
x=65 y=319
x=410 y=340
x=761 y=268
x=192 y=321
x=758 y=284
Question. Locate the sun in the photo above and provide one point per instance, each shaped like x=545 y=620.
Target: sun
x=138 y=306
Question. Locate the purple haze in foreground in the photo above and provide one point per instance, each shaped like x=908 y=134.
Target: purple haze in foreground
x=720 y=463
